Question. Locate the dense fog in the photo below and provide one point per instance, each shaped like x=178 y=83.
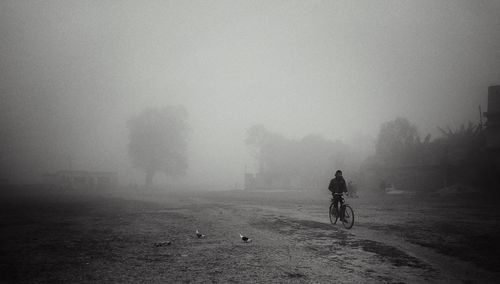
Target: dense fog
x=72 y=73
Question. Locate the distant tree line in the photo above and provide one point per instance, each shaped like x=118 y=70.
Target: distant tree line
x=307 y=162
x=459 y=154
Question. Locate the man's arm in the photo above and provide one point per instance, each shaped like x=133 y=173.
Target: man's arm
x=330 y=187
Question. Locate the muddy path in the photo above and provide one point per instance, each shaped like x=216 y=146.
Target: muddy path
x=396 y=242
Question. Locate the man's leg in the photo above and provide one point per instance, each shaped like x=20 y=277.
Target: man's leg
x=334 y=201
x=342 y=211
x=338 y=201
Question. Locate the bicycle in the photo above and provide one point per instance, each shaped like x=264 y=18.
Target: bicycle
x=347 y=211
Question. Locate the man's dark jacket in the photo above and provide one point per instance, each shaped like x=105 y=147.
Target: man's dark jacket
x=337 y=185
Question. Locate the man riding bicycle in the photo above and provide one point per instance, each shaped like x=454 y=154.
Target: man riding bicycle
x=338 y=187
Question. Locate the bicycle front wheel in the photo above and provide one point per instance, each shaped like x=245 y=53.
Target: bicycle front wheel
x=348 y=221
x=333 y=214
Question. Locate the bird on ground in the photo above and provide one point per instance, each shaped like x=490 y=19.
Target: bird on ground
x=199 y=235
x=245 y=239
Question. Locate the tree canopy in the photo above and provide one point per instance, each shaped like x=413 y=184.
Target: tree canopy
x=158 y=139
x=397 y=141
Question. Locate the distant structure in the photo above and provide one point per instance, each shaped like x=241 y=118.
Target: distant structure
x=493 y=125
x=256 y=181
x=270 y=182
x=70 y=179
x=493 y=116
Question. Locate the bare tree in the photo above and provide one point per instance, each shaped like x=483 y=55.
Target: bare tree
x=158 y=141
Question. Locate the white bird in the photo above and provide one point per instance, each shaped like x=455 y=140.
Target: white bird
x=199 y=235
x=245 y=239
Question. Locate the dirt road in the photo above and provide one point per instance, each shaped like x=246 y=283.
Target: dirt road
x=107 y=238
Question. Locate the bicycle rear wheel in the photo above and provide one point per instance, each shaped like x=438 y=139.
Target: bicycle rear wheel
x=332 y=213
x=348 y=221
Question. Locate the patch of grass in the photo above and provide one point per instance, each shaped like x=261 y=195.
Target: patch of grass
x=465 y=241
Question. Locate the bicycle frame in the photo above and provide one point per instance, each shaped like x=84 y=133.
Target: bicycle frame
x=336 y=212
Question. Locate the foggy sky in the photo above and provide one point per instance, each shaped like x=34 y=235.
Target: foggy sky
x=73 y=72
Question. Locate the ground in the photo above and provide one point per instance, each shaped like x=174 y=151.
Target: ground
x=73 y=237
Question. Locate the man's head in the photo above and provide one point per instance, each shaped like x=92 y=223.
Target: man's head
x=338 y=173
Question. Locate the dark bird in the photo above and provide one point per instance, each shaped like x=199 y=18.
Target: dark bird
x=245 y=239
x=160 y=244
x=199 y=235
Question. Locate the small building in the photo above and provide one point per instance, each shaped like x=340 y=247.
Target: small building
x=69 y=179
x=492 y=129
x=269 y=182
x=493 y=116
